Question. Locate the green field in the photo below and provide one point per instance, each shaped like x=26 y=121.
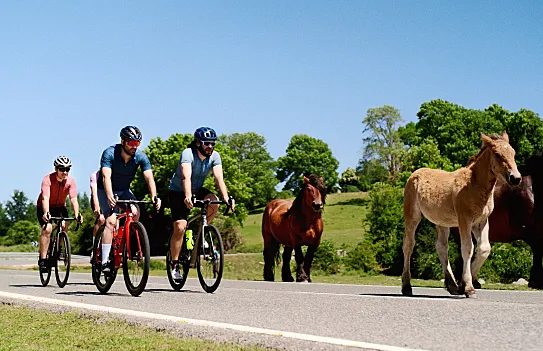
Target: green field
x=343 y=222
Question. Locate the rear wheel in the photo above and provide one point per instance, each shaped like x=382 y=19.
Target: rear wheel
x=177 y=284
x=210 y=260
x=136 y=259
x=103 y=283
x=62 y=259
x=45 y=275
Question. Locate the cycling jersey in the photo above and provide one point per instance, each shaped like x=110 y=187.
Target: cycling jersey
x=200 y=169
x=57 y=191
x=122 y=173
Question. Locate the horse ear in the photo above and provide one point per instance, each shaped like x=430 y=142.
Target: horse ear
x=306 y=180
x=486 y=139
x=505 y=136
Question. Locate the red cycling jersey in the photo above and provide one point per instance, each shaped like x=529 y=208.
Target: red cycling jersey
x=57 y=191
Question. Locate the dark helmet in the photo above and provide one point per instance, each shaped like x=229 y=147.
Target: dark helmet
x=205 y=134
x=130 y=133
x=62 y=161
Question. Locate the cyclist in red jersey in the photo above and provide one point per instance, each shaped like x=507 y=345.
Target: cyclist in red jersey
x=55 y=187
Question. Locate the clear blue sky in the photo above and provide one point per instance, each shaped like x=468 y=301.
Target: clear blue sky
x=73 y=73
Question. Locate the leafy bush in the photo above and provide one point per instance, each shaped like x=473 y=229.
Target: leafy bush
x=21 y=232
x=326 y=258
x=349 y=189
x=361 y=258
x=285 y=194
x=230 y=231
x=507 y=263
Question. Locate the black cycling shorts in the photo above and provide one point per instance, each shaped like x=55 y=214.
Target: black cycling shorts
x=177 y=203
x=54 y=211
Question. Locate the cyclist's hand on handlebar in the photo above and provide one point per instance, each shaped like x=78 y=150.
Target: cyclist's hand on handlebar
x=46 y=217
x=79 y=218
x=188 y=202
x=157 y=202
x=112 y=200
x=231 y=203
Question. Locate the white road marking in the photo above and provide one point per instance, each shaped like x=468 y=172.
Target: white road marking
x=242 y=328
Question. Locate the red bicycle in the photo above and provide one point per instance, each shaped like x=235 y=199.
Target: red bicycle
x=129 y=250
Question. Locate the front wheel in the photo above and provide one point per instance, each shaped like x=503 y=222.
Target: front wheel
x=177 y=284
x=103 y=283
x=136 y=259
x=210 y=261
x=62 y=259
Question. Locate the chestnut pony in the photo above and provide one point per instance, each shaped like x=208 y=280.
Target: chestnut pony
x=463 y=199
x=293 y=224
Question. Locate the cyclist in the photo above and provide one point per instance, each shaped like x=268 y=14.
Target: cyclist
x=95 y=206
x=194 y=166
x=119 y=164
x=55 y=188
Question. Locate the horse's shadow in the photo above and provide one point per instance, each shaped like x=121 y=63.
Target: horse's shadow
x=422 y=296
x=353 y=202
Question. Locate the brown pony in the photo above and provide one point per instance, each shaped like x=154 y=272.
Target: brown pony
x=464 y=199
x=293 y=224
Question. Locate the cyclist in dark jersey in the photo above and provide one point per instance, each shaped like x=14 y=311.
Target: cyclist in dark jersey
x=119 y=164
x=55 y=188
x=195 y=164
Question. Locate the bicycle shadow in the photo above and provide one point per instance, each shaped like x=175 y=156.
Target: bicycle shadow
x=86 y=293
x=173 y=291
x=29 y=286
x=422 y=296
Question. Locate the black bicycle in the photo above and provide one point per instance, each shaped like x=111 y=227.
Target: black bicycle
x=59 y=253
x=203 y=252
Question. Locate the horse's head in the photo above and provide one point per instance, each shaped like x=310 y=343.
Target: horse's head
x=314 y=192
x=502 y=159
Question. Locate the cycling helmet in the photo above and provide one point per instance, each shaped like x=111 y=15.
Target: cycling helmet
x=62 y=161
x=205 y=134
x=130 y=133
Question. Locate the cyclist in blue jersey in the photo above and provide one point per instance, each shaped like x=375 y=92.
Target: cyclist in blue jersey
x=195 y=164
x=119 y=164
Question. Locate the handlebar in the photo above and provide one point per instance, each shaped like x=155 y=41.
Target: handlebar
x=60 y=219
x=205 y=202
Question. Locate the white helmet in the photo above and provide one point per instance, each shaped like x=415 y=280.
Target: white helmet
x=62 y=161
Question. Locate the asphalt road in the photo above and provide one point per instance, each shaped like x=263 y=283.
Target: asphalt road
x=335 y=316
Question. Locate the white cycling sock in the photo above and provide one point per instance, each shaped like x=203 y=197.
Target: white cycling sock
x=105 y=252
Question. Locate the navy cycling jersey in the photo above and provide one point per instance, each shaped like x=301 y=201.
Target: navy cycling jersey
x=200 y=169
x=122 y=173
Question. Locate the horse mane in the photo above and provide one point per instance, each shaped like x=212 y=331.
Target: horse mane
x=315 y=181
x=492 y=136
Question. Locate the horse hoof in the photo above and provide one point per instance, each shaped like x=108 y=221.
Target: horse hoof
x=535 y=285
x=288 y=279
x=476 y=284
x=454 y=290
x=407 y=290
x=471 y=294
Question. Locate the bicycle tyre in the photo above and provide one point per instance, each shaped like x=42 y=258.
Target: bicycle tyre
x=45 y=276
x=67 y=251
x=176 y=284
x=137 y=239
x=213 y=237
x=102 y=286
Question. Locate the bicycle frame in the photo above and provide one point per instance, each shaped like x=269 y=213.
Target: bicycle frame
x=120 y=235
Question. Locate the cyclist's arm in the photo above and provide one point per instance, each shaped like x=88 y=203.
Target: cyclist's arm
x=94 y=196
x=45 y=193
x=106 y=178
x=75 y=205
x=150 y=180
x=219 y=180
x=186 y=171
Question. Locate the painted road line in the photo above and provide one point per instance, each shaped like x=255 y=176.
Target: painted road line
x=236 y=327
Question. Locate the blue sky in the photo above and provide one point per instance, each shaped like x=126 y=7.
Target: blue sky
x=72 y=74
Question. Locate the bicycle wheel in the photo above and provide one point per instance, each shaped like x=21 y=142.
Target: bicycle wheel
x=177 y=284
x=210 y=261
x=45 y=276
x=103 y=283
x=62 y=259
x=136 y=259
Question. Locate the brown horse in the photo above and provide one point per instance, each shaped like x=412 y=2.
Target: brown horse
x=464 y=199
x=518 y=215
x=293 y=224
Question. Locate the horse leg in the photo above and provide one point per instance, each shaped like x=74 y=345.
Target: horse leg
x=536 y=273
x=480 y=232
x=271 y=248
x=442 y=247
x=412 y=217
x=286 y=274
x=308 y=260
x=466 y=285
x=300 y=273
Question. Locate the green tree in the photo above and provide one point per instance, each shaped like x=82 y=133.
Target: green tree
x=22 y=232
x=370 y=172
x=307 y=155
x=255 y=161
x=348 y=179
x=383 y=142
x=20 y=208
x=4 y=221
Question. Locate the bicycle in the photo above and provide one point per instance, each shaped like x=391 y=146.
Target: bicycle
x=129 y=250
x=59 y=250
x=206 y=255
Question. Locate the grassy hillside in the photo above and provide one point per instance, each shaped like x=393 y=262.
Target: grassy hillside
x=343 y=222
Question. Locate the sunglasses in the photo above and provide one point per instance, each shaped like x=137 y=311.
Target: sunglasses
x=64 y=169
x=133 y=143
x=208 y=143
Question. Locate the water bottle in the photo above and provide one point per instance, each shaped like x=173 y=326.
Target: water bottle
x=188 y=238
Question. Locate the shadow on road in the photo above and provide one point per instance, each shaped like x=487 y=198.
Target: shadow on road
x=84 y=293
x=27 y=285
x=400 y=296
x=173 y=291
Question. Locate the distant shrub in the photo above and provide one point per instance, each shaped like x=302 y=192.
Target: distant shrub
x=285 y=194
x=326 y=258
x=349 y=189
x=230 y=231
x=507 y=263
x=361 y=258
x=22 y=232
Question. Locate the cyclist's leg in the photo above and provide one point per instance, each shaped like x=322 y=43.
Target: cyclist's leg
x=45 y=233
x=212 y=210
x=64 y=213
x=111 y=221
x=180 y=214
